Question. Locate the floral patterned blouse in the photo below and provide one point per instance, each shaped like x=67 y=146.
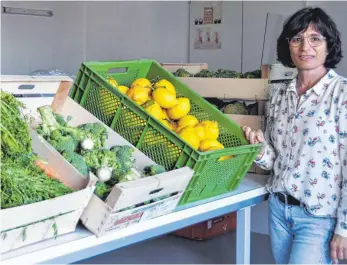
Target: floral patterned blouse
x=306 y=146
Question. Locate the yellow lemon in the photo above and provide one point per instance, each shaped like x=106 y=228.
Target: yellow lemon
x=165 y=84
x=223 y=158
x=165 y=117
x=164 y=97
x=209 y=145
x=200 y=131
x=211 y=129
x=123 y=89
x=189 y=135
x=168 y=124
x=138 y=94
x=154 y=109
x=188 y=120
x=143 y=82
x=180 y=110
x=112 y=81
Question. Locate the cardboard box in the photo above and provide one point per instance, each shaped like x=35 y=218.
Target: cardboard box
x=99 y=216
x=192 y=68
x=228 y=88
x=31 y=223
x=209 y=229
x=253 y=121
x=224 y=88
x=27 y=224
x=280 y=72
x=36 y=91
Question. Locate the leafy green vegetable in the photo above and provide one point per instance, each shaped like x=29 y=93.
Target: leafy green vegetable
x=101 y=158
x=77 y=161
x=204 y=73
x=102 y=190
x=52 y=122
x=154 y=170
x=131 y=175
x=124 y=154
x=15 y=136
x=220 y=73
x=22 y=182
x=182 y=73
x=236 y=108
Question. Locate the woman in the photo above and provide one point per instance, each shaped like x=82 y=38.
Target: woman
x=305 y=145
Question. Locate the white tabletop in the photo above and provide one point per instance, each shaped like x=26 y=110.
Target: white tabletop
x=82 y=244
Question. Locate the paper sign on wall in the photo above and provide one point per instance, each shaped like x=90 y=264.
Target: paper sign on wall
x=207 y=26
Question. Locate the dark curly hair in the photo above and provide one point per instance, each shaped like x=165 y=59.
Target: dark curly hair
x=300 y=21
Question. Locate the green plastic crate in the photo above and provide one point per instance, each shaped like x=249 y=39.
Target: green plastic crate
x=212 y=177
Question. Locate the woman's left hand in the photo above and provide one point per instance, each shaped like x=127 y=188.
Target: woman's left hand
x=338 y=248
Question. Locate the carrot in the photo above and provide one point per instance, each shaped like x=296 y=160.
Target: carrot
x=50 y=172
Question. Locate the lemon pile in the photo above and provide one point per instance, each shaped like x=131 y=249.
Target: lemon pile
x=160 y=100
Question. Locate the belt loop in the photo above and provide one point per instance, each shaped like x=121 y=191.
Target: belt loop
x=285 y=197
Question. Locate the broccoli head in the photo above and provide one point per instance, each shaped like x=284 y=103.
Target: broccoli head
x=124 y=155
x=101 y=158
x=154 y=170
x=94 y=131
x=236 y=108
x=77 y=161
x=220 y=73
x=102 y=190
x=52 y=122
x=62 y=143
x=182 y=73
x=204 y=73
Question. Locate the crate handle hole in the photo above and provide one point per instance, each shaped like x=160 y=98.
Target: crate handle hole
x=117 y=70
x=26 y=87
x=156 y=191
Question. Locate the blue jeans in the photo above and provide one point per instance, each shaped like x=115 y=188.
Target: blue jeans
x=298 y=237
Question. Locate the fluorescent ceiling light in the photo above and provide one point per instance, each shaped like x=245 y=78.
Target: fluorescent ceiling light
x=25 y=11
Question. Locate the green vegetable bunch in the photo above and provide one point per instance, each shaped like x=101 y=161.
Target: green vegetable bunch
x=236 y=108
x=220 y=73
x=71 y=141
x=15 y=136
x=22 y=182
x=182 y=73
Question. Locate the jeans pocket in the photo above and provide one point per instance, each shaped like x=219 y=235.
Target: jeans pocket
x=309 y=214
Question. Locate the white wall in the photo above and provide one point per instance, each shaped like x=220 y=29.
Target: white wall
x=81 y=31
x=29 y=43
x=254 y=21
x=337 y=10
x=131 y=30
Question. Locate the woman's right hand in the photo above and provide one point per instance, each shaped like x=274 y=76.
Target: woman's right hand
x=254 y=137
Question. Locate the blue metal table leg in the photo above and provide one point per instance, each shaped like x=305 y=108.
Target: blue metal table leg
x=243 y=236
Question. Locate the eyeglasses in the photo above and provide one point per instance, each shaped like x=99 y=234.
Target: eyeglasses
x=313 y=40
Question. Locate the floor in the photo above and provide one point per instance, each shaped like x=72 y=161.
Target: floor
x=174 y=250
